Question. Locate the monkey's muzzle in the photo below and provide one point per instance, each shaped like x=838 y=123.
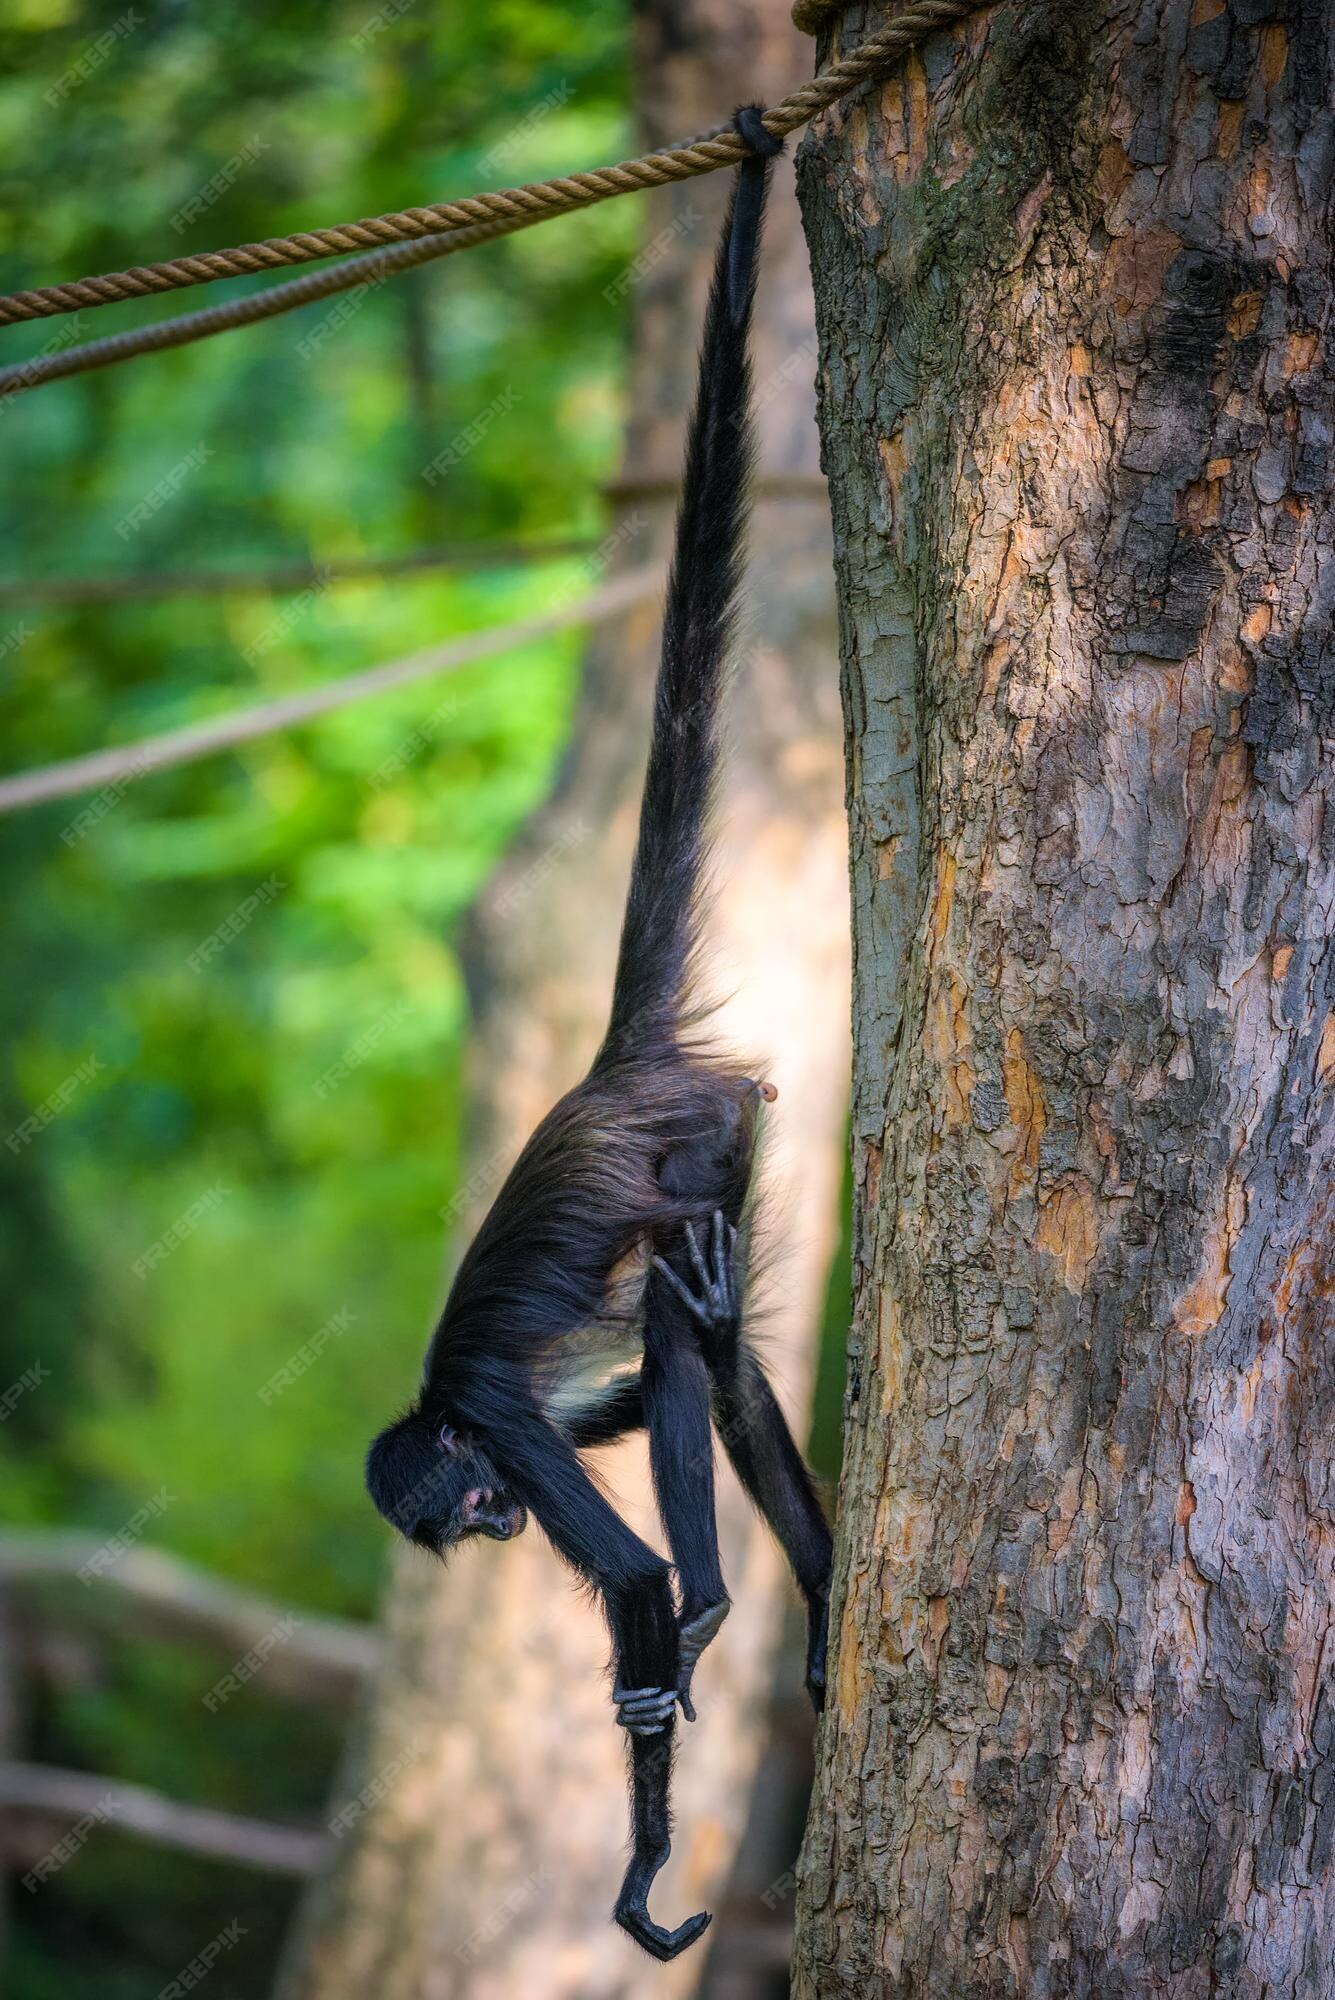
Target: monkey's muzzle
x=503 y=1527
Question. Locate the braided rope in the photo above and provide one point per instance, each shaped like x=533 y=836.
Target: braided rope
x=511 y=207
x=185 y=327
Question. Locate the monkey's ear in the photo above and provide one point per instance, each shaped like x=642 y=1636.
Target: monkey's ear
x=402 y=1468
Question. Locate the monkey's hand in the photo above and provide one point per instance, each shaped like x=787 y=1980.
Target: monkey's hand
x=692 y=1638
x=645 y=1711
x=632 y=1914
x=716 y=1304
x=648 y=1713
x=650 y=1766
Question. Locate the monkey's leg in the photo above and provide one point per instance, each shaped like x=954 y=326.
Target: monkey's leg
x=675 y=1385
x=758 y=1440
x=540 y=1462
x=774 y=1473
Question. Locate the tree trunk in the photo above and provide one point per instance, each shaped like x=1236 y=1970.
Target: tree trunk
x=490 y=1866
x=1074 y=292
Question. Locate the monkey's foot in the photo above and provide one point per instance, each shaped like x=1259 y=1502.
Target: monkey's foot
x=716 y=1304
x=645 y=1711
x=692 y=1638
x=632 y=1913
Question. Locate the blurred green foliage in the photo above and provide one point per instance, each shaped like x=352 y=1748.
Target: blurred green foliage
x=207 y=1079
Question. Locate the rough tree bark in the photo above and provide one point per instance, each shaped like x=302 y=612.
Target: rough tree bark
x=1074 y=293
x=489 y=1867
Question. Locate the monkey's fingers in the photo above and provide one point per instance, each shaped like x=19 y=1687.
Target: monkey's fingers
x=644 y=1711
x=697 y=1258
x=687 y=1297
x=725 y=1262
x=724 y=1251
x=720 y=1249
x=663 y=1945
x=692 y=1638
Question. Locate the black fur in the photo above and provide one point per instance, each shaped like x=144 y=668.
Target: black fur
x=660 y=1135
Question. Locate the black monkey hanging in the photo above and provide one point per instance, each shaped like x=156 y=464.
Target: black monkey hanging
x=650 y=1158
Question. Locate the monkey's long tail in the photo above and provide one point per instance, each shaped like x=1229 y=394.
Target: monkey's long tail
x=661 y=925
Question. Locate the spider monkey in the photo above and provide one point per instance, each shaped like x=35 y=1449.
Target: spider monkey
x=646 y=1165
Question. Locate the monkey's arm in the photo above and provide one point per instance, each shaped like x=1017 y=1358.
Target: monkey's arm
x=773 y=1471
x=539 y=1461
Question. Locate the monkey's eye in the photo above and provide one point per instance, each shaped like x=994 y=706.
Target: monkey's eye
x=448 y=1438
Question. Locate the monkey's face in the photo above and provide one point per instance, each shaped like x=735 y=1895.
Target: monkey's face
x=437 y=1486
x=475 y=1498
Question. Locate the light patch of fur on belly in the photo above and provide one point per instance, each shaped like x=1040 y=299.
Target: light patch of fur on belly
x=583 y=1381
x=591 y=1365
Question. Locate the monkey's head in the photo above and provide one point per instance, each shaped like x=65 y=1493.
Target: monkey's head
x=437 y=1485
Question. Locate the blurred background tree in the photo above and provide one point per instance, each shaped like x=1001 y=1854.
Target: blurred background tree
x=330 y=1202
